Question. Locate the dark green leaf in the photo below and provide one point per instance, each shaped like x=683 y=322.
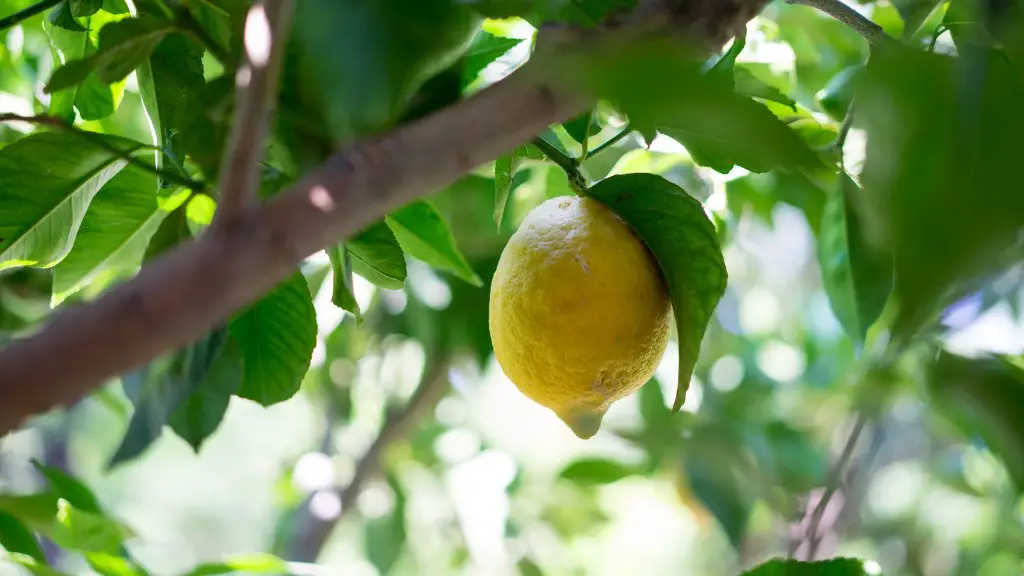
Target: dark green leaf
x=948 y=209
x=505 y=169
x=49 y=178
x=115 y=231
x=84 y=531
x=485 y=49
x=342 y=295
x=69 y=488
x=277 y=335
x=983 y=397
x=423 y=234
x=96 y=100
x=62 y=18
x=385 y=536
x=528 y=567
x=115 y=6
x=84 y=8
x=715 y=472
x=834 y=567
x=123 y=46
x=37 y=511
x=173 y=231
x=596 y=471
x=71 y=74
x=915 y=13
x=857 y=279
x=16 y=537
x=377 y=256
x=199 y=414
x=172 y=76
x=582 y=127
x=747 y=84
x=683 y=240
x=837 y=95
x=722 y=71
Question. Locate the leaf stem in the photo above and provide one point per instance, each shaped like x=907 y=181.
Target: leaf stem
x=21 y=16
x=843 y=13
x=94 y=139
x=572 y=169
x=612 y=141
x=188 y=24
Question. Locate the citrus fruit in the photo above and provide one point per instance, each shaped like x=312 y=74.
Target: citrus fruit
x=579 y=310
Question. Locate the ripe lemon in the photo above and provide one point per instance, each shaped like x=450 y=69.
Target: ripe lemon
x=579 y=310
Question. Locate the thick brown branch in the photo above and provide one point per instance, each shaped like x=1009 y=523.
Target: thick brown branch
x=183 y=294
x=266 y=31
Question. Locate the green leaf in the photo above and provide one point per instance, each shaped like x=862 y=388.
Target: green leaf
x=747 y=84
x=835 y=98
x=834 y=567
x=115 y=7
x=175 y=73
x=423 y=234
x=252 y=563
x=485 y=49
x=16 y=537
x=49 y=180
x=277 y=335
x=96 y=100
x=377 y=256
x=596 y=471
x=342 y=295
x=33 y=566
x=62 y=18
x=583 y=126
x=683 y=240
x=115 y=231
x=83 y=531
x=123 y=46
x=37 y=511
x=111 y=565
x=69 y=488
x=84 y=8
x=982 y=397
x=192 y=395
x=857 y=279
x=385 y=537
x=948 y=210
x=915 y=13
x=505 y=169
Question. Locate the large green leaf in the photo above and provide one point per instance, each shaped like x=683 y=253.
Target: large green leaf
x=123 y=46
x=683 y=240
x=277 y=335
x=983 y=397
x=16 y=537
x=377 y=256
x=191 y=395
x=423 y=234
x=937 y=191
x=857 y=279
x=834 y=567
x=49 y=179
x=175 y=71
x=66 y=45
x=116 y=230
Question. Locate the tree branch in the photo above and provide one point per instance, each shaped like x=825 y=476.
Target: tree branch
x=95 y=139
x=611 y=141
x=21 y=16
x=569 y=165
x=265 y=38
x=184 y=293
x=432 y=387
x=840 y=11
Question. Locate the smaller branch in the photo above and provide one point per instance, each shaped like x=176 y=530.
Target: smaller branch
x=569 y=165
x=95 y=139
x=188 y=24
x=843 y=13
x=612 y=141
x=266 y=31
x=19 y=17
x=835 y=478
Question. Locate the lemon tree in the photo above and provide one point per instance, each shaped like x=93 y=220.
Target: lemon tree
x=511 y=287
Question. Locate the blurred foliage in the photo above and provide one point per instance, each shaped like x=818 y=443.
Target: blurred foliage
x=863 y=201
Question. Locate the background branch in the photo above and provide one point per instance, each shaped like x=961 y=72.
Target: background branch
x=21 y=16
x=840 y=11
x=266 y=35
x=311 y=540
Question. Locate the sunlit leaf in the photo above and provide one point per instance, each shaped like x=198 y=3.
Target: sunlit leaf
x=252 y=564
x=111 y=565
x=277 y=335
x=485 y=49
x=34 y=566
x=76 y=529
x=123 y=45
x=596 y=471
x=676 y=229
x=423 y=234
x=84 y=8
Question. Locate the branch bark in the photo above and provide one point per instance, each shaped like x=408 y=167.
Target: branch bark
x=265 y=38
x=872 y=32
x=186 y=292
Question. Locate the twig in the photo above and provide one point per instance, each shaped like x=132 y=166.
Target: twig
x=96 y=140
x=576 y=179
x=21 y=16
x=397 y=425
x=612 y=141
x=840 y=11
x=834 y=479
x=266 y=32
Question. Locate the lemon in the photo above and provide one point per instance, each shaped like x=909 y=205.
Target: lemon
x=579 y=310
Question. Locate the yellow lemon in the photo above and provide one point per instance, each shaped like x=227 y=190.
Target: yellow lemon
x=579 y=310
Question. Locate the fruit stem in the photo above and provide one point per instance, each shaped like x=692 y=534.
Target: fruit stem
x=577 y=180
